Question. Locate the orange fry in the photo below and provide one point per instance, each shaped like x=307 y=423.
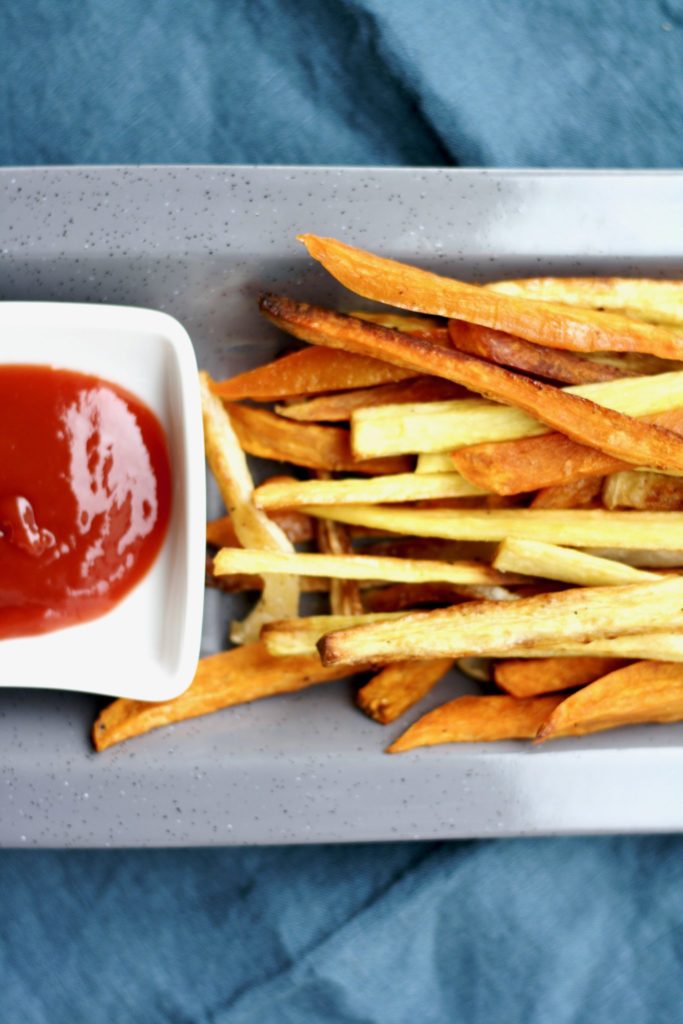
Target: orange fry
x=263 y=433
x=232 y=677
x=513 y=467
x=220 y=533
x=581 y=493
x=311 y=371
x=429 y=328
x=477 y=720
x=623 y=437
x=526 y=677
x=395 y=689
x=647 y=691
x=555 y=325
x=538 y=360
x=338 y=407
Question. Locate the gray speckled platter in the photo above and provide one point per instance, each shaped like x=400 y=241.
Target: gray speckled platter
x=200 y=243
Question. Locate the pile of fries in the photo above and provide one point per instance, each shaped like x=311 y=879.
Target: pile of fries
x=493 y=479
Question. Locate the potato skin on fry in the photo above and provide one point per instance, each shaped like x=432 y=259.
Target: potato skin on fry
x=477 y=720
x=647 y=691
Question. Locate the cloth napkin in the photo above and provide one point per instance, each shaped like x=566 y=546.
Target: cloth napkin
x=561 y=930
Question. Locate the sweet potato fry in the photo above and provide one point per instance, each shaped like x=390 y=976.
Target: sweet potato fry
x=535 y=558
x=530 y=678
x=486 y=627
x=584 y=528
x=406 y=596
x=265 y=434
x=582 y=493
x=222 y=680
x=296 y=526
x=299 y=636
x=310 y=371
x=359 y=567
x=477 y=720
x=649 y=691
x=659 y=302
x=514 y=467
x=280 y=595
x=338 y=407
x=583 y=420
x=403 y=487
x=395 y=689
x=558 y=326
x=538 y=360
x=643 y=491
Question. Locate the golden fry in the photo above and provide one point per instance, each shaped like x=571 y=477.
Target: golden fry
x=333 y=538
x=300 y=635
x=232 y=677
x=280 y=595
x=659 y=302
x=557 y=563
x=649 y=691
x=529 y=678
x=395 y=689
x=488 y=627
x=643 y=491
x=477 y=720
x=403 y=487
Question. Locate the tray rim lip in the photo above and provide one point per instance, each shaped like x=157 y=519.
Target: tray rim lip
x=652 y=755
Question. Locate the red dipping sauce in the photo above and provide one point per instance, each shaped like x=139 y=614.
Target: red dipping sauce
x=85 y=497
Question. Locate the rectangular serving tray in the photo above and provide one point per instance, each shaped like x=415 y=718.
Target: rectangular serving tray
x=200 y=243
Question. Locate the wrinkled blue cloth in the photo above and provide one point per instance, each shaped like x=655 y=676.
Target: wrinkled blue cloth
x=533 y=931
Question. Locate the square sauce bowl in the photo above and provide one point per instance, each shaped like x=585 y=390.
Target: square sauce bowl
x=146 y=647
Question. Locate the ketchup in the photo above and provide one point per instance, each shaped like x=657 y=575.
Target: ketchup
x=85 y=497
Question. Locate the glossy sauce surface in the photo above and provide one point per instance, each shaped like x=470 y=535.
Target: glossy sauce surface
x=85 y=496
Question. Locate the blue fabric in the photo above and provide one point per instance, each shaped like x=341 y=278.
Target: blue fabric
x=523 y=931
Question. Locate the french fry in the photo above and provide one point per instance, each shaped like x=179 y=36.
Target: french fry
x=395 y=689
x=403 y=487
x=485 y=627
x=333 y=539
x=530 y=678
x=650 y=646
x=535 y=558
x=222 y=680
x=648 y=691
x=430 y=328
x=310 y=371
x=338 y=407
x=263 y=433
x=513 y=467
x=280 y=595
x=660 y=302
x=538 y=360
x=406 y=596
x=558 y=326
x=358 y=567
x=296 y=526
x=237 y=582
x=577 y=417
x=438 y=462
x=300 y=636
x=439 y=426
x=643 y=491
x=477 y=720
x=584 y=528
x=581 y=493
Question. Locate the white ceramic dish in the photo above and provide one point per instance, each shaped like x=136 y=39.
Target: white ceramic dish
x=147 y=646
